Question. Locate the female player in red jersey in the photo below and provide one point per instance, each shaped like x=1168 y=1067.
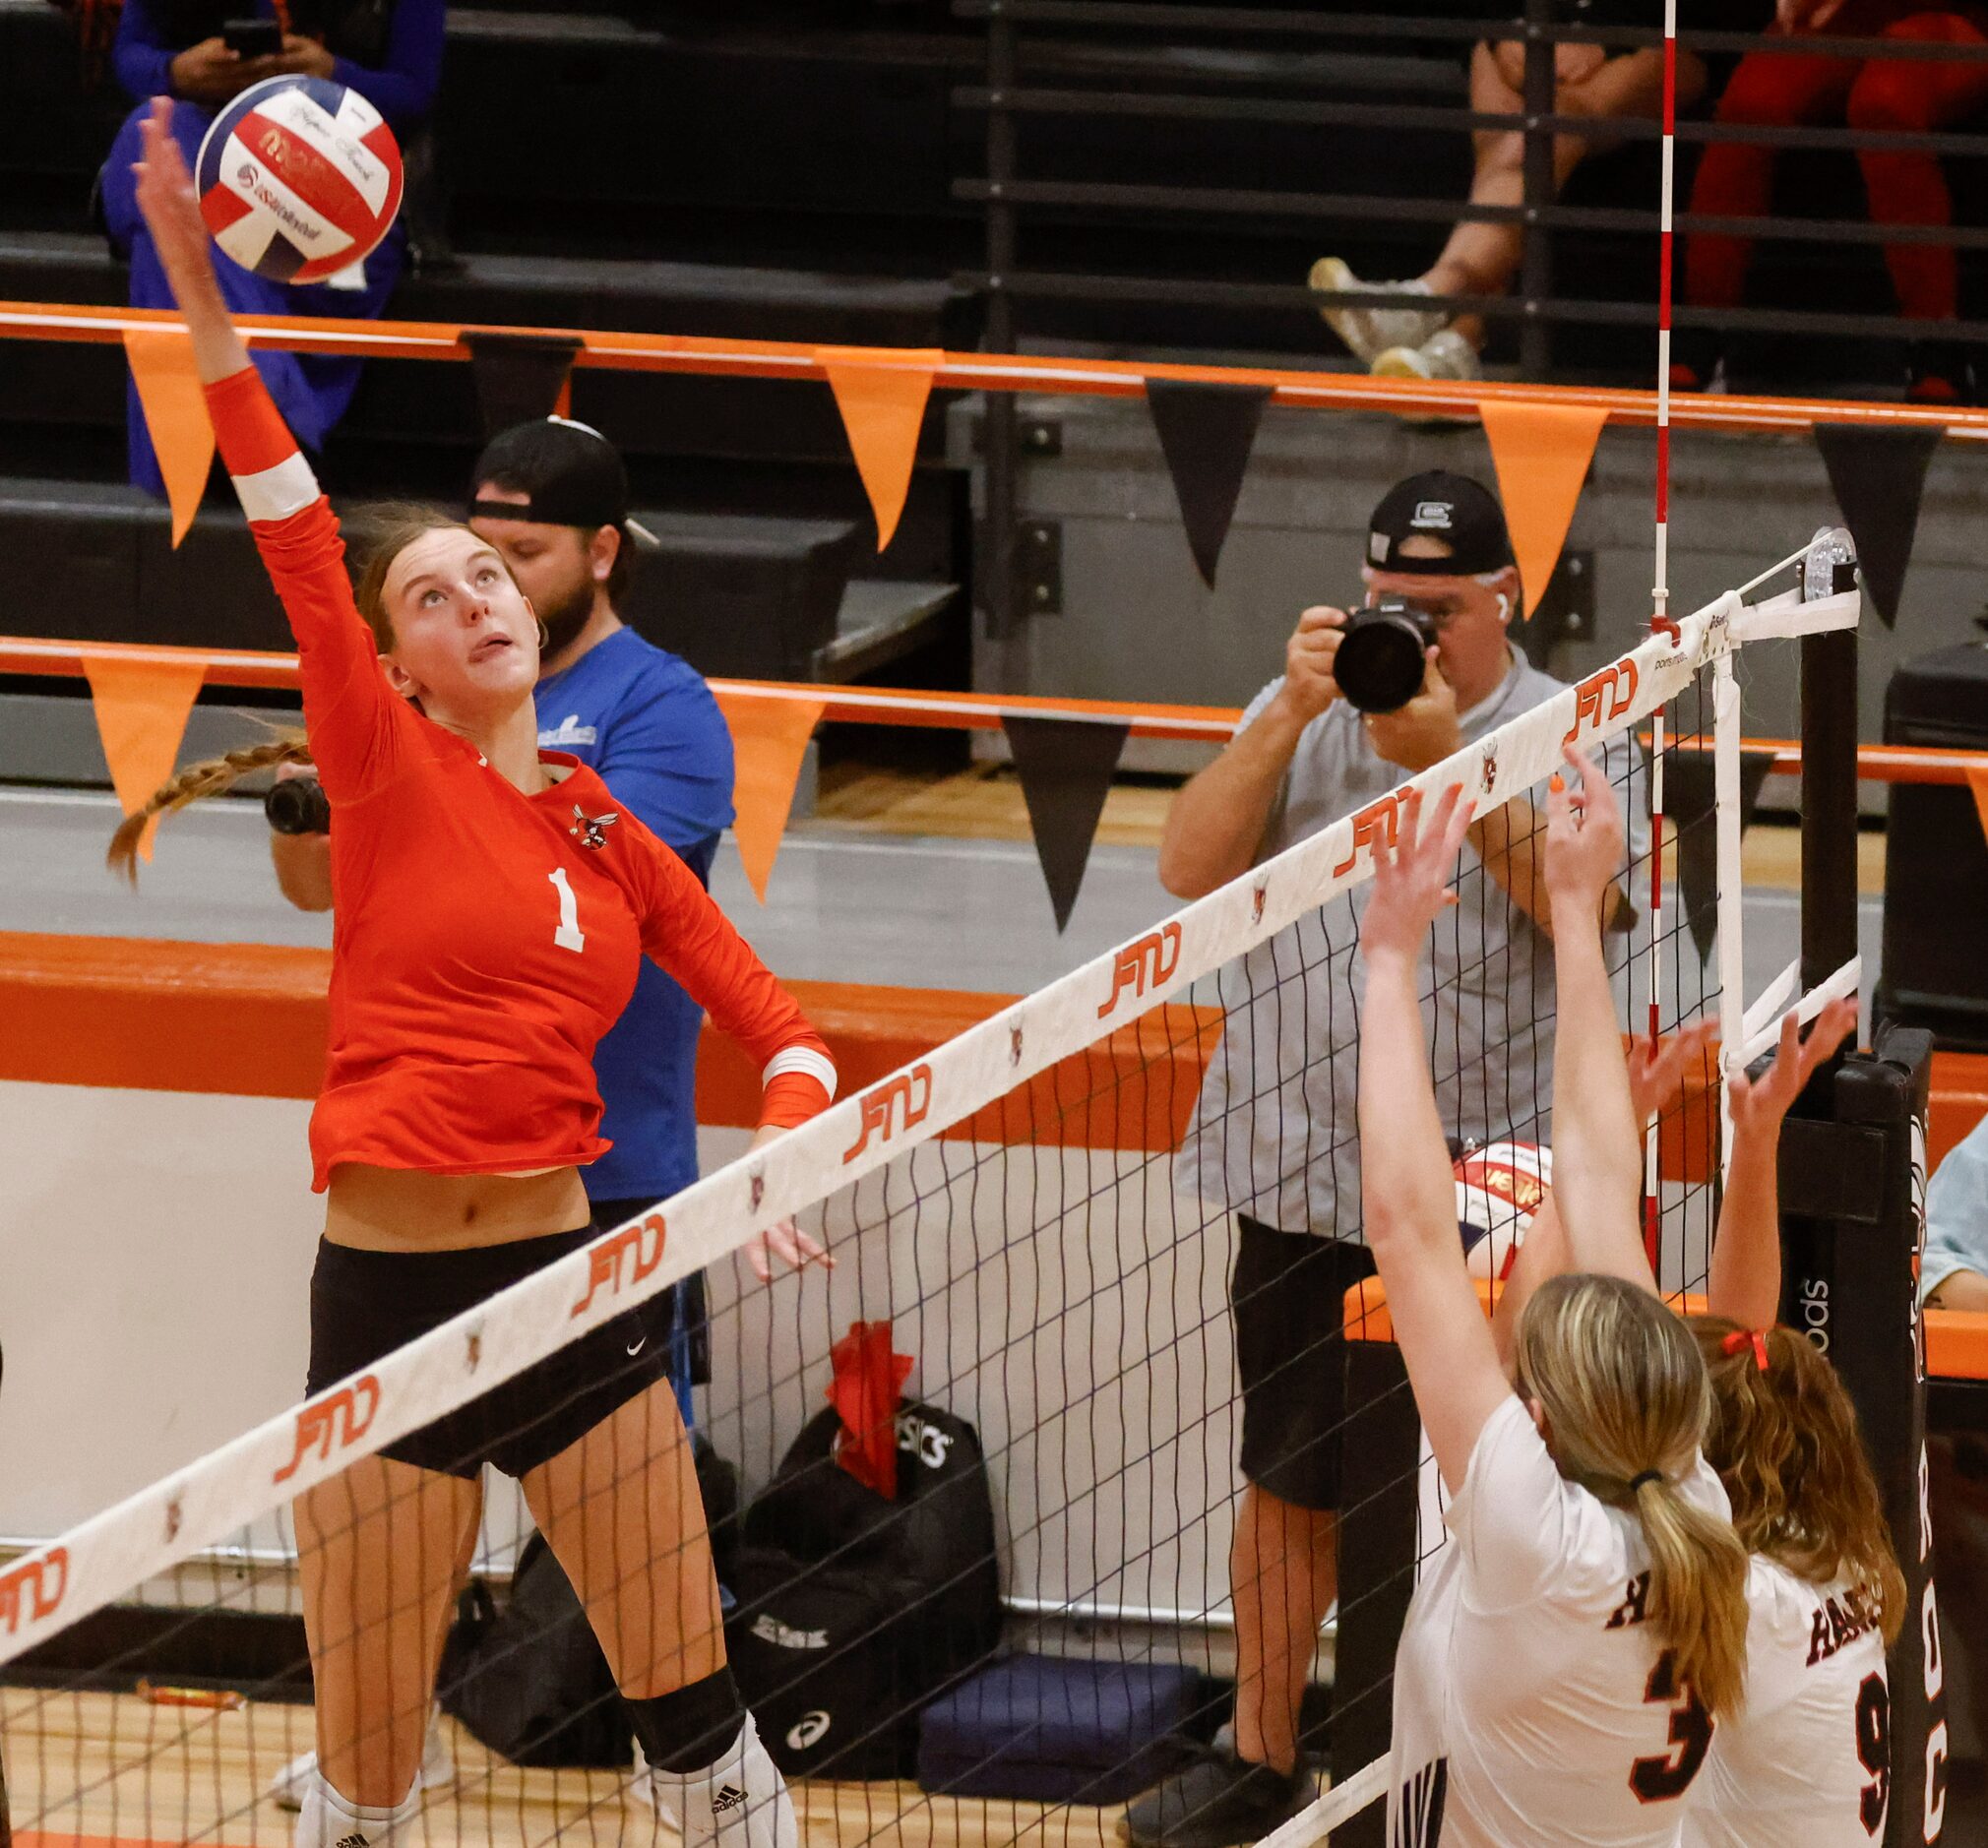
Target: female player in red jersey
x=1569 y=1652
x=492 y=903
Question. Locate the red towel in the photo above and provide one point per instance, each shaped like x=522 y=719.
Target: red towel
x=869 y=1380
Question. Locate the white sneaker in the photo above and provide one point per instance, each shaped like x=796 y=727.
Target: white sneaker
x=1371 y=332
x=287 y=1789
x=1443 y=355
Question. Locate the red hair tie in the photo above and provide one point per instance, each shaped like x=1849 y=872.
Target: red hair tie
x=1757 y=1338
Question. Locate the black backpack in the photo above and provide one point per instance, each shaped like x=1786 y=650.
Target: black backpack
x=853 y=1611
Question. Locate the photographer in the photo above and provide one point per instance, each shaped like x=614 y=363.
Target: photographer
x=1274 y=1138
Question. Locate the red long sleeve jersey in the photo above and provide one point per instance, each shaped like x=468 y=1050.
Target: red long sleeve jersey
x=483 y=940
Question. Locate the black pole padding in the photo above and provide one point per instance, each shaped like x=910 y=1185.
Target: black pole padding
x=1852 y=1178
x=1828 y=803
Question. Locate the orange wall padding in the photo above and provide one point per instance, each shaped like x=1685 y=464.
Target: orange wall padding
x=249 y=1020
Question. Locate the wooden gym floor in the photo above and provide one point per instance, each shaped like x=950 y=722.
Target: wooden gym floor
x=150 y=1773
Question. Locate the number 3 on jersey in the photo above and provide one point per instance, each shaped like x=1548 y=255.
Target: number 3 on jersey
x=1667 y=1776
x=568 y=936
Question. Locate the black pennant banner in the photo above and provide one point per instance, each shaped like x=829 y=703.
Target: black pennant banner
x=1876 y=475
x=1206 y=433
x=1688 y=805
x=520 y=377
x=1066 y=767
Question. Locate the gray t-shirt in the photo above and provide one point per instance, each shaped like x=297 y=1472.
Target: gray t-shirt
x=1274 y=1132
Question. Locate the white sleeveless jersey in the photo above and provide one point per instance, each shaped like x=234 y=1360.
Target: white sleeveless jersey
x=1534 y=1703
x=1807 y=1763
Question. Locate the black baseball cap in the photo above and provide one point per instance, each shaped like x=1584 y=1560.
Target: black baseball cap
x=1463 y=514
x=569 y=473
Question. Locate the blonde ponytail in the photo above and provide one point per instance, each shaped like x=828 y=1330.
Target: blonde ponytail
x=1627 y=1406
x=1698 y=1591
x=208 y=778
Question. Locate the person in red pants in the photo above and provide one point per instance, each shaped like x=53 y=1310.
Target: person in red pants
x=1786 y=89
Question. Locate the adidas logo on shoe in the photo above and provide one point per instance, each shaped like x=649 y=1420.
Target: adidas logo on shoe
x=353 y=1840
x=728 y=1797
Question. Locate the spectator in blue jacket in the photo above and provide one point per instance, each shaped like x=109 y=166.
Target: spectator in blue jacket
x=1953 y=1268
x=388 y=50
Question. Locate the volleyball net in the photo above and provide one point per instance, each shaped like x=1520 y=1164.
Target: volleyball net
x=972 y=1492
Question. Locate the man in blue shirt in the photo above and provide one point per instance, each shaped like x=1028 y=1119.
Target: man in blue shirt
x=552 y=497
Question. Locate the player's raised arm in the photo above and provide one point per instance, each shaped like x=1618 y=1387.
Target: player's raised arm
x=1407 y=1191
x=348 y=708
x=1744 y=1278
x=1597 y=1153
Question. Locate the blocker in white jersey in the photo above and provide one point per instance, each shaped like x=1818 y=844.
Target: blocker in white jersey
x=1534 y=1700
x=1807 y=1761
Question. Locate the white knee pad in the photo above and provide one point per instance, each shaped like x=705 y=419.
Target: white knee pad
x=739 y=1802
x=325 y=1819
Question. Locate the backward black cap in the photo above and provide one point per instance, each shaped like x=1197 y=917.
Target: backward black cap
x=1463 y=514
x=570 y=474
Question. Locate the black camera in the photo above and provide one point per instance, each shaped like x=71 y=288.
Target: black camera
x=1381 y=662
x=297 y=806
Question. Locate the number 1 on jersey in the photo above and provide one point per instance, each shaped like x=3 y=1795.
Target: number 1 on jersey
x=568 y=936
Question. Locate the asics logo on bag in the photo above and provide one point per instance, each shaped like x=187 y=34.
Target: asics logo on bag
x=809 y=1730
x=881 y=1116
x=1158 y=951
x=768 y=1629
x=334 y=1423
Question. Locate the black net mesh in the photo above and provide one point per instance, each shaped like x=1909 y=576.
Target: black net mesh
x=972 y=1496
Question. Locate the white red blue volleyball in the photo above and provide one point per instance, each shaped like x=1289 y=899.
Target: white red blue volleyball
x=299 y=178
x=1498 y=1187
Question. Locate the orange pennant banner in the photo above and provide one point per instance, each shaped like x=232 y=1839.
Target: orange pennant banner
x=881 y=392
x=1541 y=452
x=1977 y=781
x=141 y=717
x=176 y=413
x=769 y=739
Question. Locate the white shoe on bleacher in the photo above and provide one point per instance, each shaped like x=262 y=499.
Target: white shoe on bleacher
x=1370 y=332
x=1444 y=355
x=437 y=1768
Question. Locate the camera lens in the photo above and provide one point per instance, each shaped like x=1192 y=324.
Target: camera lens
x=297 y=806
x=1380 y=663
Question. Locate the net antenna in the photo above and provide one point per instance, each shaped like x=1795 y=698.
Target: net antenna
x=1825 y=600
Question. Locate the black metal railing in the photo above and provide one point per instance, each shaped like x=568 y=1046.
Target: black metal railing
x=1079 y=61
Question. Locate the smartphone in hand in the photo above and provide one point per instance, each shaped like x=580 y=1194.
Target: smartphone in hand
x=253 y=38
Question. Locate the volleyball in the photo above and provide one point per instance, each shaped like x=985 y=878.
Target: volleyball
x=299 y=178
x=1498 y=1187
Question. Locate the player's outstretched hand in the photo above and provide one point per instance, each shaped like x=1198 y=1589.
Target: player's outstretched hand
x=1411 y=881
x=1658 y=1069
x=1759 y=1104
x=1584 y=833
x=171 y=210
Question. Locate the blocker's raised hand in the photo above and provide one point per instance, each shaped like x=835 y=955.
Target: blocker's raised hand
x=1759 y=1104
x=1583 y=832
x=1411 y=881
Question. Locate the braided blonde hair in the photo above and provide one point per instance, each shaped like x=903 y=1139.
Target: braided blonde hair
x=207 y=779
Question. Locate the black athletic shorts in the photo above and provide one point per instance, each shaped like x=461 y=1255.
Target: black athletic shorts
x=1288 y=1297
x=365 y=1304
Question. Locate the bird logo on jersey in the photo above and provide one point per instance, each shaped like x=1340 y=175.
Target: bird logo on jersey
x=590 y=830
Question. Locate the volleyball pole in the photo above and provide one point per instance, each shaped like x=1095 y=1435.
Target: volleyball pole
x=1660 y=603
